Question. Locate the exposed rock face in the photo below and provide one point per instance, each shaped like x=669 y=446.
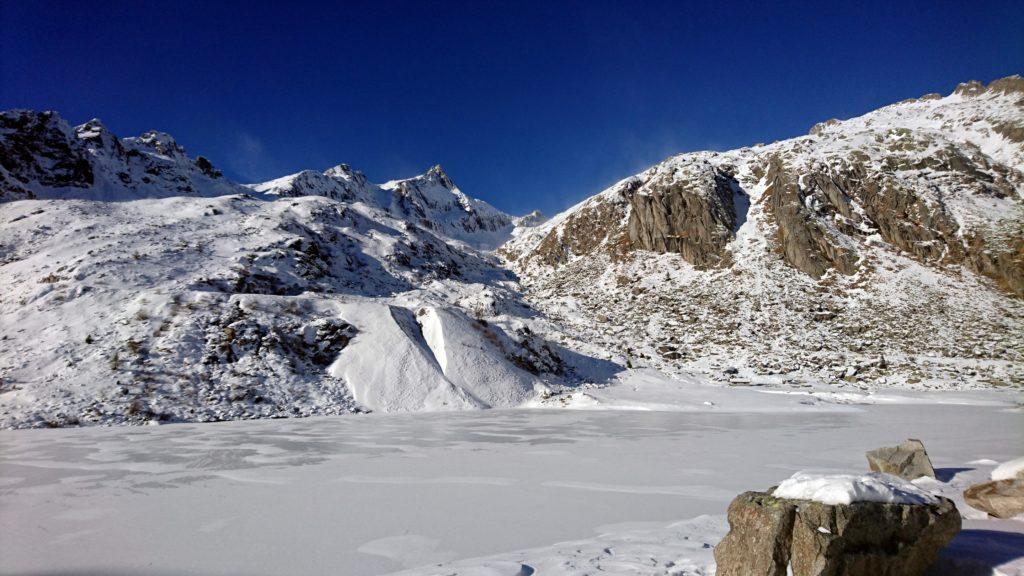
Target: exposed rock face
x=769 y=535
x=871 y=538
x=925 y=227
x=805 y=241
x=692 y=215
x=760 y=537
x=999 y=498
x=908 y=460
x=206 y=167
x=594 y=228
x=41 y=147
x=42 y=156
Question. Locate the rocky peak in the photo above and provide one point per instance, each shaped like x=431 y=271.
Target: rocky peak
x=969 y=88
x=41 y=147
x=346 y=173
x=532 y=219
x=161 y=143
x=98 y=138
x=437 y=175
x=1009 y=85
x=820 y=127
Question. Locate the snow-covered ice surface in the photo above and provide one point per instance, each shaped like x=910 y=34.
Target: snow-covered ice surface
x=482 y=492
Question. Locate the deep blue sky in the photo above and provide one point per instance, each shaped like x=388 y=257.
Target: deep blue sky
x=532 y=104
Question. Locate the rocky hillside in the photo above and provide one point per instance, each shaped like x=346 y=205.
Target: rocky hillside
x=881 y=249
x=141 y=285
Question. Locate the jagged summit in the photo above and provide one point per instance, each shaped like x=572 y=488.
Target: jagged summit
x=437 y=175
x=43 y=157
x=201 y=299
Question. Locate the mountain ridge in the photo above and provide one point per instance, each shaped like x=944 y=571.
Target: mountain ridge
x=144 y=286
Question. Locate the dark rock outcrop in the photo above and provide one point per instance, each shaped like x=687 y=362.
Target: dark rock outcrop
x=805 y=241
x=692 y=217
x=41 y=147
x=206 y=167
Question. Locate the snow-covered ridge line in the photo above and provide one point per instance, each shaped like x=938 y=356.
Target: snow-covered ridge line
x=44 y=157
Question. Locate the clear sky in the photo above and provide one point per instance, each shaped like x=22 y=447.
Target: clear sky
x=531 y=104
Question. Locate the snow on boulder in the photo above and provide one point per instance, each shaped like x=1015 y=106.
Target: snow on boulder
x=1009 y=470
x=849 y=488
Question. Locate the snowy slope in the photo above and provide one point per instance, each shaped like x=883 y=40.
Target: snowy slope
x=430 y=200
x=141 y=285
x=880 y=250
x=234 y=307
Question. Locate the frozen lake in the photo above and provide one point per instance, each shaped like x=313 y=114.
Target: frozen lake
x=375 y=494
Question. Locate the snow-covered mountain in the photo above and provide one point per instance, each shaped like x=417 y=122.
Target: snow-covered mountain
x=430 y=200
x=881 y=249
x=142 y=285
x=41 y=156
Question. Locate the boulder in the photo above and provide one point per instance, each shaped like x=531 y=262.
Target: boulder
x=772 y=536
x=758 y=542
x=870 y=538
x=908 y=460
x=998 y=498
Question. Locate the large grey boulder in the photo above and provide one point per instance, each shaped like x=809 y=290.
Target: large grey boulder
x=770 y=535
x=871 y=538
x=758 y=543
x=999 y=498
x=908 y=460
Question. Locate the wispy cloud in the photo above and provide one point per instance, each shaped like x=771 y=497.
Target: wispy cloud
x=250 y=159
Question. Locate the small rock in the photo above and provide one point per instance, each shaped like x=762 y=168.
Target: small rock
x=998 y=498
x=909 y=460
